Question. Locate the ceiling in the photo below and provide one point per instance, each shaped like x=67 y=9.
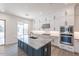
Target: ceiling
x=31 y=10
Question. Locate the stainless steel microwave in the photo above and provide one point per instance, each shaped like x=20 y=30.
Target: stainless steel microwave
x=66 y=29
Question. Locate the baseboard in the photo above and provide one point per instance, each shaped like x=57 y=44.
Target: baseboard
x=10 y=43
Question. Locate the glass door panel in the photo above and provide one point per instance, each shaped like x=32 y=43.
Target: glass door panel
x=25 y=31
x=20 y=31
x=2 y=32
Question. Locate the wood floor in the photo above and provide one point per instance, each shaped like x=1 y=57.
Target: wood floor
x=13 y=50
x=55 y=51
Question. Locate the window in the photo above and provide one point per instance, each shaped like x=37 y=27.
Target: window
x=2 y=34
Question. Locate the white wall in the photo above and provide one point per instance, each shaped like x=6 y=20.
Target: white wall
x=11 y=26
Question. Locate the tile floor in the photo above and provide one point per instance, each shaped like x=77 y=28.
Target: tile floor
x=13 y=50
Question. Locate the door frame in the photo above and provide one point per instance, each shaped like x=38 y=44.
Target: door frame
x=4 y=31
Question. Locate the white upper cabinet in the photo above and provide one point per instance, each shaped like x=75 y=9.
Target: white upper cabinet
x=59 y=21
x=69 y=15
x=55 y=19
x=70 y=20
x=70 y=11
x=52 y=24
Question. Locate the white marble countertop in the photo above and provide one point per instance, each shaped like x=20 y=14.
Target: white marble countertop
x=37 y=43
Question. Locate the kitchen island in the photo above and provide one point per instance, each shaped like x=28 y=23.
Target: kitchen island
x=35 y=46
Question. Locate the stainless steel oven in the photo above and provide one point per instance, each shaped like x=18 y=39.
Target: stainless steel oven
x=66 y=39
x=66 y=35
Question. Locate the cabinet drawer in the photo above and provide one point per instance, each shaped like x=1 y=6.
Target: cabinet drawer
x=19 y=43
x=67 y=47
x=25 y=48
x=22 y=45
x=70 y=48
x=30 y=51
x=77 y=49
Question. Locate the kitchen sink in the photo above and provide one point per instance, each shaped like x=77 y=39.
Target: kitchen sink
x=33 y=37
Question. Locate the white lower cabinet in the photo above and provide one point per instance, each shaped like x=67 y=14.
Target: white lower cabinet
x=67 y=47
x=76 y=46
x=55 y=41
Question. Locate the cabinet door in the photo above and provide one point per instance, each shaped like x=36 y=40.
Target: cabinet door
x=47 y=49
x=56 y=41
x=62 y=21
x=22 y=45
x=70 y=20
x=56 y=24
x=76 y=42
x=25 y=48
x=37 y=52
x=70 y=15
x=19 y=42
x=52 y=24
x=59 y=21
x=67 y=47
x=30 y=51
x=76 y=25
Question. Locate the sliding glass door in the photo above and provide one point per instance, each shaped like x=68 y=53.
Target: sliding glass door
x=22 y=30
x=2 y=32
